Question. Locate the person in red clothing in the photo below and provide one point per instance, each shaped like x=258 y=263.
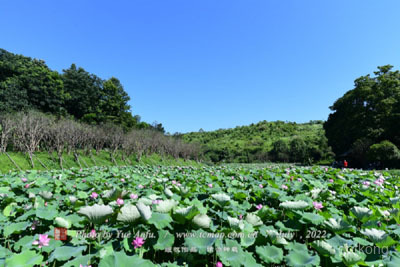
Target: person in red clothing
x=345 y=163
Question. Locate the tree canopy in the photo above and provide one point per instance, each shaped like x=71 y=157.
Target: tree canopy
x=366 y=115
x=265 y=141
x=27 y=83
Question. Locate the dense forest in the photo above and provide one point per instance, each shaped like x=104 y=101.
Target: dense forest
x=265 y=141
x=29 y=84
x=365 y=124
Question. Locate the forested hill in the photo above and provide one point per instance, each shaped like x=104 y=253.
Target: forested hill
x=27 y=83
x=265 y=141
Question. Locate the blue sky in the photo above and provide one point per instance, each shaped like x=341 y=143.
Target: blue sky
x=212 y=64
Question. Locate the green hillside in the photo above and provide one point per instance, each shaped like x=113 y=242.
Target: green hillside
x=265 y=141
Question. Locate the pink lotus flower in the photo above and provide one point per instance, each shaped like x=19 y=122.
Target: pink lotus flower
x=45 y=204
x=379 y=181
x=138 y=242
x=123 y=180
x=42 y=242
x=261 y=186
x=330 y=180
x=133 y=196
x=93 y=234
x=94 y=195
x=210 y=185
x=240 y=216
x=366 y=183
x=140 y=186
x=173 y=182
x=259 y=206
x=120 y=202
x=219 y=264
x=27 y=185
x=317 y=205
x=84 y=180
x=284 y=187
x=157 y=201
x=24 y=180
x=299 y=180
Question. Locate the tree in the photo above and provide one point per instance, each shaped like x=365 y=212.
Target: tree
x=30 y=129
x=280 y=151
x=27 y=83
x=386 y=153
x=84 y=91
x=369 y=111
x=114 y=106
x=298 y=150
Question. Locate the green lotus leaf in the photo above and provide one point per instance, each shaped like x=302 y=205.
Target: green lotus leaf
x=121 y=259
x=200 y=240
x=375 y=235
x=27 y=258
x=15 y=228
x=230 y=257
x=166 y=205
x=324 y=248
x=235 y=223
x=46 y=195
x=97 y=213
x=221 y=198
x=183 y=211
x=66 y=252
x=153 y=197
x=168 y=192
x=297 y=258
x=351 y=258
x=144 y=211
x=253 y=219
x=294 y=205
x=202 y=220
x=270 y=254
x=313 y=218
x=146 y=201
x=338 y=225
x=165 y=239
x=128 y=213
x=361 y=213
x=160 y=220
x=62 y=222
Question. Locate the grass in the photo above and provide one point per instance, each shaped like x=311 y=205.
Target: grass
x=50 y=161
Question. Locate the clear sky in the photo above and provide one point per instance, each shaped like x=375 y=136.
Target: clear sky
x=212 y=64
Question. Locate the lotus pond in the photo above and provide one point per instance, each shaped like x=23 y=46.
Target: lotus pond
x=203 y=216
